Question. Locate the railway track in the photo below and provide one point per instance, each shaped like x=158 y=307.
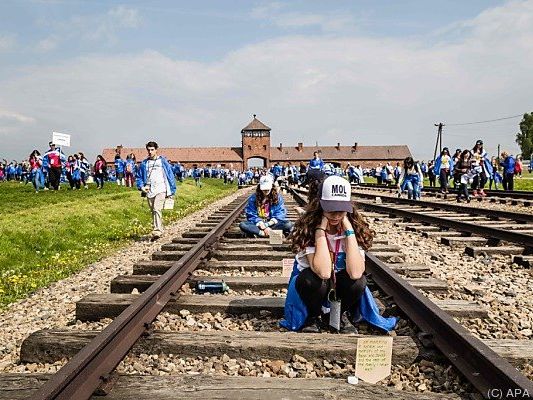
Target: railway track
x=479 y=230
x=215 y=250
x=516 y=198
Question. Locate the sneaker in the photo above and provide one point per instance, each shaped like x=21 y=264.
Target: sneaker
x=347 y=327
x=474 y=193
x=311 y=326
x=155 y=236
x=468 y=199
x=459 y=200
x=482 y=193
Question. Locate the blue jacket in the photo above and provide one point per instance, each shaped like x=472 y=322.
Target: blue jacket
x=120 y=164
x=316 y=164
x=277 y=211
x=296 y=311
x=142 y=175
x=436 y=169
x=508 y=165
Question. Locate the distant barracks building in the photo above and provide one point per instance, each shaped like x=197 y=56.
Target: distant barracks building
x=256 y=150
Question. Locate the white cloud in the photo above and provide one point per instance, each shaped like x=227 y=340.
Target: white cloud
x=7 y=42
x=276 y=14
x=48 y=44
x=11 y=116
x=103 y=28
x=327 y=89
x=126 y=17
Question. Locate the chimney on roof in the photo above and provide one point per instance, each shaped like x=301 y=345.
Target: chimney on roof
x=338 y=146
x=280 y=146
x=355 y=146
x=255 y=115
x=300 y=146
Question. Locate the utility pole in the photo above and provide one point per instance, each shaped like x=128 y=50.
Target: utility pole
x=438 y=143
x=498 y=155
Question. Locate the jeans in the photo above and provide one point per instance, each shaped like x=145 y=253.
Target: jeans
x=314 y=290
x=443 y=178
x=413 y=190
x=251 y=230
x=99 y=179
x=38 y=179
x=508 y=181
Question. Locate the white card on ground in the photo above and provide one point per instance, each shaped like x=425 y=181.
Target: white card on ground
x=276 y=237
x=373 y=358
x=287 y=265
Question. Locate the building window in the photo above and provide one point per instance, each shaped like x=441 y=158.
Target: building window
x=249 y=147
x=264 y=147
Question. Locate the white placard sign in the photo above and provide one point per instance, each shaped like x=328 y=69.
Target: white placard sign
x=61 y=139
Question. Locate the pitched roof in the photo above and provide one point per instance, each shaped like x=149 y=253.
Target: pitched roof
x=340 y=153
x=185 y=154
x=255 y=125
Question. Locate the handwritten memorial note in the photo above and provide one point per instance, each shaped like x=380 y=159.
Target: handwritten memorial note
x=287 y=264
x=276 y=237
x=373 y=359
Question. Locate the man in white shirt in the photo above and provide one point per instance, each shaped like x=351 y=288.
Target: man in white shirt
x=156 y=180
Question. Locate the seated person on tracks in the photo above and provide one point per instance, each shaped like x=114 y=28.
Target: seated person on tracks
x=329 y=239
x=265 y=211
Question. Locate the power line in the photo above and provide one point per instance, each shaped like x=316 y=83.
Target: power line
x=483 y=122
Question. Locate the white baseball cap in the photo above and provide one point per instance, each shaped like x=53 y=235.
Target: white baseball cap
x=335 y=194
x=265 y=182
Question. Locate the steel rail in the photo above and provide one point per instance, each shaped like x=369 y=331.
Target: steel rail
x=92 y=366
x=480 y=365
x=518 y=194
x=487 y=231
x=521 y=217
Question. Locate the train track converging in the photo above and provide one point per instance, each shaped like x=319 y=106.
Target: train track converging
x=155 y=312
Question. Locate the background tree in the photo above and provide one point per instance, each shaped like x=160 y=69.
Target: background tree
x=524 y=138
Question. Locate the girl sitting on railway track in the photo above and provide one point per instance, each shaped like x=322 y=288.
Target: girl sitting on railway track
x=411 y=179
x=265 y=211
x=329 y=265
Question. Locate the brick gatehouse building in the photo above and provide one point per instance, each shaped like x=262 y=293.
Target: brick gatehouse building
x=256 y=150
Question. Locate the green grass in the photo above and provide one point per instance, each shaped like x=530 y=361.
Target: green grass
x=524 y=183
x=49 y=235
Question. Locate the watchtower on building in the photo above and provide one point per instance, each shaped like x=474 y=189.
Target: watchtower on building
x=256 y=144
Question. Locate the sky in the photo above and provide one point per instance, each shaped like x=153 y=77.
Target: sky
x=189 y=74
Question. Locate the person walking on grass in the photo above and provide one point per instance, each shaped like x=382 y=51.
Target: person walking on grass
x=130 y=169
x=37 y=176
x=54 y=159
x=155 y=179
x=84 y=169
x=100 y=171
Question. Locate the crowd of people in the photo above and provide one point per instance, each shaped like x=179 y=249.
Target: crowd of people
x=467 y=170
